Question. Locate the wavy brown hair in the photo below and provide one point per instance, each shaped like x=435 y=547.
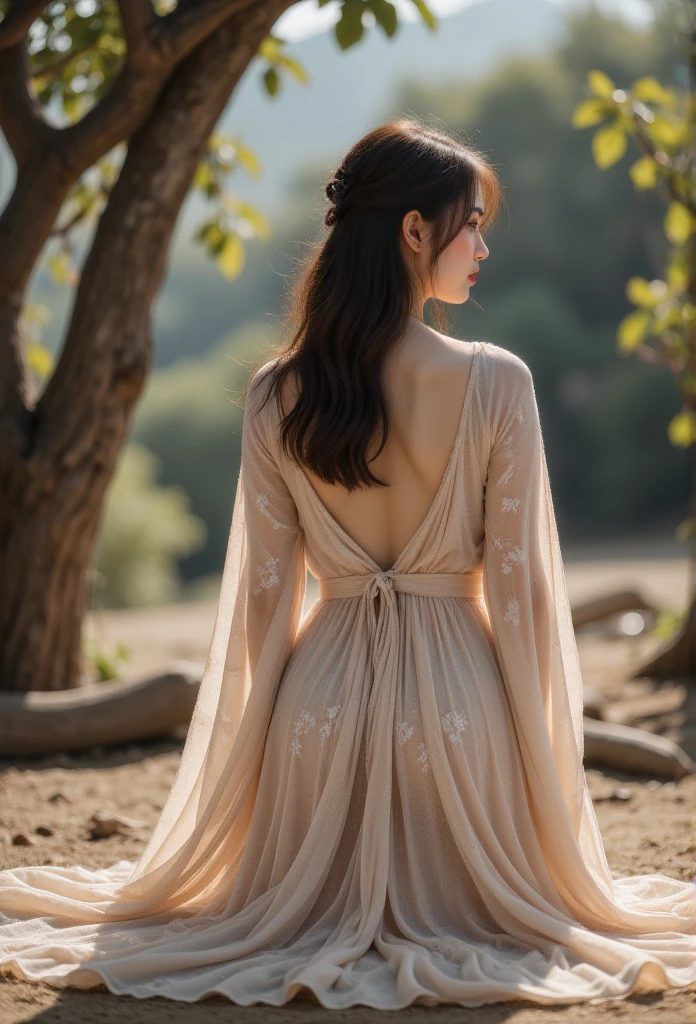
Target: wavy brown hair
x=350 y=303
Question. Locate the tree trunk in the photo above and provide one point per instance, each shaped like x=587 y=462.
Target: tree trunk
x=63 y=451
x=677 y=660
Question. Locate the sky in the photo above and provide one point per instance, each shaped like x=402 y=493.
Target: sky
x=307 y=18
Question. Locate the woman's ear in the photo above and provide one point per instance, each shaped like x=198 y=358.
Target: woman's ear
x=411 y=229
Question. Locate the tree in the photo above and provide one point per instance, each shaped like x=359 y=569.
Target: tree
x=145 y=82
x=661 y=122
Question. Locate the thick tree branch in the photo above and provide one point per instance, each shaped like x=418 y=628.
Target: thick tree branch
x=20 y=114
x=20 y=18
x=161 y=43
x=194 y=20
x=139 y=105
x=108 y=345
x=138 y=19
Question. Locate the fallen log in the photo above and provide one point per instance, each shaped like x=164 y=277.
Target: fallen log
x=98 y=714
x=634 y=750
x=598 y=608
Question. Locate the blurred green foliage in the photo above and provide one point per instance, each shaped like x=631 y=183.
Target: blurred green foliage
x=145 y=529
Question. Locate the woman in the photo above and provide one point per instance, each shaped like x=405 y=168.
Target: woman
x=384 y=802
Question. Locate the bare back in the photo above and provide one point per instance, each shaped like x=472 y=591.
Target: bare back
x=426 y=380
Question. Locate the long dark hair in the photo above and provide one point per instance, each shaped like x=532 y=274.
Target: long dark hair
x=350 y=303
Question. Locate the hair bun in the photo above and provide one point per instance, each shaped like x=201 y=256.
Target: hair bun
x=336 y=190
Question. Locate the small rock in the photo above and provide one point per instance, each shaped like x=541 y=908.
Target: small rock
x=22 y=839
x=105 y=824
x=54 y=798
x=622 y=793
x=44 y=830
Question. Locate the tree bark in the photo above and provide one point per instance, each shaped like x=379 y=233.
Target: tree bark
x=62 y=452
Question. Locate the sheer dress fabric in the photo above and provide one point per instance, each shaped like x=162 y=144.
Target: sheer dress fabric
x=382 y=802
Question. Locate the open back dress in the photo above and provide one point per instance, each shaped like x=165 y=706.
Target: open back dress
x=382 y=802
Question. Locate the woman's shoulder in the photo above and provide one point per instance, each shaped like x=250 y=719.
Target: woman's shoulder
x=505 y=375
x=504 y=364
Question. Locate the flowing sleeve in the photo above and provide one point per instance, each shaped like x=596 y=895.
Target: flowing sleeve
x=531 y=624
x=202 y=829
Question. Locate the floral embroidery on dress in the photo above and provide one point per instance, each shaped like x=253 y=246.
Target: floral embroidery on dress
x=268 y=577
x=424 y=758
x=262 y=504
x=505 y=477
x=404 y=731
x=513 y=612
x=305 y=722
x=510 y=504
x=454 y=725
x=515 y=554
x=330 y=720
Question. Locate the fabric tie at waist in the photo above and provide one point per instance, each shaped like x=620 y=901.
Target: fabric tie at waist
x=436 y=584
x=383 y=625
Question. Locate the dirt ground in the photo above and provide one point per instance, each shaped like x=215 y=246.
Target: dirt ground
x=649 y=825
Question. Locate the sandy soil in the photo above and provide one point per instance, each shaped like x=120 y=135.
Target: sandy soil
x=650 y=828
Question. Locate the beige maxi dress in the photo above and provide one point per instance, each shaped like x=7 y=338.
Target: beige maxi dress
x=384 y=802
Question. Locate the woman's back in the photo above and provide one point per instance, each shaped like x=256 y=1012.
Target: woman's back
x=425 y=384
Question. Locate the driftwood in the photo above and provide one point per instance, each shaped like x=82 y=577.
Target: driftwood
x=598 y=608
x=98 y=714
x=634 y=750
x=122 y=712
x=593 y=702
x=644 y=706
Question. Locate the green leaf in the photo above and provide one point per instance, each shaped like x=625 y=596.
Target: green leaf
x=261 y=225
x=645 y=172
x=649 y=90
x=426 y=14
x=601 y=84
x=294 y=67
x=59 y=268
x=349 y=27
x=40 y=360
x=609 y=145
x=271 y=80
x=666 y=132
x=678 y=223
x=646 y=294
x=589 y=112
x=677 y=275
x=633 y=329
x=231 y=258
x=682 y=429
x=247 y=158
x=269 y=48
x=385 y=15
